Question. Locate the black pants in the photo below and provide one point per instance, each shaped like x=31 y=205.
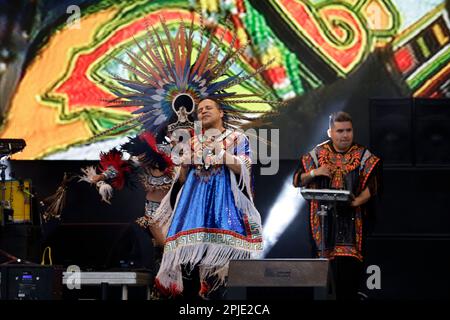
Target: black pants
x=134 y=249
x=347 y=272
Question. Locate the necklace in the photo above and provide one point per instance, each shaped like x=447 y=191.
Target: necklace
x=208 y=146
x=204 y=138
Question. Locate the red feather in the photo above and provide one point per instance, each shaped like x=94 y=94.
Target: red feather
x=172 y=291
x=114 y=158
x=151 y=141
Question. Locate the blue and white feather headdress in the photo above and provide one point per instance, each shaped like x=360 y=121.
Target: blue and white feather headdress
x=168 y=81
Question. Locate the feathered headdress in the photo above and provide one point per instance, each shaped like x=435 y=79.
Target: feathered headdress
x=146 y=144
x=168 y=81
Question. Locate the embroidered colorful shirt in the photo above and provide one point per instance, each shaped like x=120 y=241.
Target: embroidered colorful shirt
x=352 y=170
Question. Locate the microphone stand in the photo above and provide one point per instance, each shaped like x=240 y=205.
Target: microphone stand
x=322 y=213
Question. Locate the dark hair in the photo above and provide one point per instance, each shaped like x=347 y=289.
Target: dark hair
x=339 y=116
x=218 y=105
x=137 y=146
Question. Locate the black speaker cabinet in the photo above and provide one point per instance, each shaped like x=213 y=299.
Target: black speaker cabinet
x=411 y=132
x=391 y=131
x=432 y=132
x=304 y=279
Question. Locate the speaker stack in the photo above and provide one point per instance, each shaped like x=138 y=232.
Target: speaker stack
x=411 y=132
x=412 y=137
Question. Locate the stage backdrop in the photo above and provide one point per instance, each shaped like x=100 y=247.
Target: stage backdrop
x=381 y=60
x=57 y=106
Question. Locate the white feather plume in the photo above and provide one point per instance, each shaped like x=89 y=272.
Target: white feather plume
x=105 y=191
x=89 y=173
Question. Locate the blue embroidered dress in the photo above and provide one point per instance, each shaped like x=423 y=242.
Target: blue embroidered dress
x=214 y=219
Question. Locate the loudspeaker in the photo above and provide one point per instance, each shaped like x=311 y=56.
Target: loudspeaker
x=391 y=127
x=432 y=132
x=279 y=279
x=412 y=268
x=414 y=201
x=411 y=132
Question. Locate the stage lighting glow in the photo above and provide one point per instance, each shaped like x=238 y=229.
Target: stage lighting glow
x=286 y=207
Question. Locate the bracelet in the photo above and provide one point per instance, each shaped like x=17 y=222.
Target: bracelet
x=311 y=173
x=110 y=173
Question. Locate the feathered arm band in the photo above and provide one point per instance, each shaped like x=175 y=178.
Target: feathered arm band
x=114 y=171
x=114 y=168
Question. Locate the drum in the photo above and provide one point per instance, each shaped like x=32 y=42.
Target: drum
x=15 y=202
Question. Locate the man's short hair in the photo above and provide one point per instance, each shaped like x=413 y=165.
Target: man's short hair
x=339 y=116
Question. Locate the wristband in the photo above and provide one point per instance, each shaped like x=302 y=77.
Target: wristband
x=311 y=173
x=110 y=173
